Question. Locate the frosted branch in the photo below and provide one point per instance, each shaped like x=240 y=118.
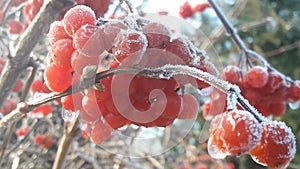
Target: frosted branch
x=165 y=72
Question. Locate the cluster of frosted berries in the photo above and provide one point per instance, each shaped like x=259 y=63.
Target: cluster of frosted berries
x=268 y=91
x=236 y=132
x=80 y=40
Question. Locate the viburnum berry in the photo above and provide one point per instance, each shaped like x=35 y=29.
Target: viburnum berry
x=158 y=35
x=14 y=27
x=38 y=139
x=77 y=17
x=129 y=47
x=61 y=53
x=234 y=133
x=232 y=74
x=57 y=32
x=42 y=111
x=72 y=102
x=100 y=131
x=277 y=146
x=293 y=91
x=89 y=40
x=22 y=131
x=185 y=10
x=39 y=86
x=274 y=82
x=256 y=77
x=57 y=78
x=45 y=140
x=8 y=106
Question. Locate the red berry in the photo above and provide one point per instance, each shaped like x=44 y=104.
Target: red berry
x=72 y=102
x=178 y=50
x=277 y=146
x=89 y=40
x=39 y=139
x=231 y=74
x=57 y=32
x=22 y=131
x=61 y=53
x=293 y=91
x=57 y=78
x=277 y=109
x=256 y=77
x=274 y=82
x=129 y=47
x=235 y=132
x=39 y=86
x=100 y=132
x=14 y=27
x=78 y=16
x=8 y=106
x=186 y=11
x=158 y=35
x=43 y=110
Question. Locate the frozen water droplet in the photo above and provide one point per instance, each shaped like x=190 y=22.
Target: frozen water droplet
x=68 y=115
x=206 y=91
x=294 y=105
x=214 y=151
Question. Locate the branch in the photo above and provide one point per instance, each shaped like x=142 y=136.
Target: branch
x=235 y=37
x=283 y=49
x=165 y=72
x=69 y=133
x=28 y=40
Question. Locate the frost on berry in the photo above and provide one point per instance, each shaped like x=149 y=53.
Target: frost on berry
x=77 y=17
x=277 y=146
x=256 y=77
x=235 y=132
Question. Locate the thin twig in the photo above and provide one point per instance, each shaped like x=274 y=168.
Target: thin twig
x=283 y=49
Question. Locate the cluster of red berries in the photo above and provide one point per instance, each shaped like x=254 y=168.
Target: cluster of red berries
x=187 y=11
x=45 y=140
x=266 y=90
x=79 y=40
x=235 y=132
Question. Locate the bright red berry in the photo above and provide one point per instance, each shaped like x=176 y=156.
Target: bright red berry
x=277 y=146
